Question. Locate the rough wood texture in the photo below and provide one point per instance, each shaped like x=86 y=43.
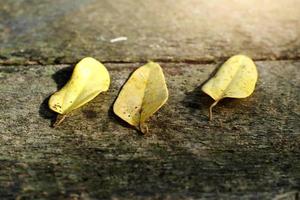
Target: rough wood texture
x=63 y=31
x=250 y=150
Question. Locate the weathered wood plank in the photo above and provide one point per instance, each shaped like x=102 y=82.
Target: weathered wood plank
x=64 y=31
x=250 y=150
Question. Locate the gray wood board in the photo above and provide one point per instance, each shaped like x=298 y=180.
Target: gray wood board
x=250 y=149
x=64 y=31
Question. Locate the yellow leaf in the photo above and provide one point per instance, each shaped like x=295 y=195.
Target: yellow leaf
x=236 y=78
x=142 y=95
x=89 y=78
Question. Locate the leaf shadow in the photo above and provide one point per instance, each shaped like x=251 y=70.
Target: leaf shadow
x=197 y=100
x=60 y=77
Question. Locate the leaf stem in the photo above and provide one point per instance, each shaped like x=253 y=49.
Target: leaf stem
x=59 y=119
x=143 y=128
x=210 y=109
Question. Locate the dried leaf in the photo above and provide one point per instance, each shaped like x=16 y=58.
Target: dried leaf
x=142 y=95
x=236 y=78
x=89 y=78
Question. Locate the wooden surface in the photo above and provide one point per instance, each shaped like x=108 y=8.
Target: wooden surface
x=63 y=31
x=249 y=151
